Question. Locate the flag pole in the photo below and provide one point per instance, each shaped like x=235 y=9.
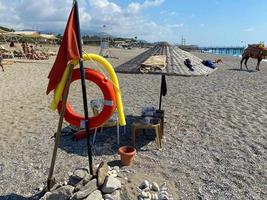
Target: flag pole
x=86 y=115
x=50 y=179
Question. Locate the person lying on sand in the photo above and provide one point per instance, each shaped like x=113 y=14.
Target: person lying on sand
x=34 y=55
x=1 y=59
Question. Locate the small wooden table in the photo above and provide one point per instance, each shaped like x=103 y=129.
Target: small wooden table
x=142 y=125
x=158 y=114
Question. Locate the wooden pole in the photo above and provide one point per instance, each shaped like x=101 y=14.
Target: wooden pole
x=51 y=180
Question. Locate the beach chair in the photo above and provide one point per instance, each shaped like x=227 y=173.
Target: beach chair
x=97 y=105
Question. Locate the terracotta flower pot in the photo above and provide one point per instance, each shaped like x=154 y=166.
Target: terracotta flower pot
x=127 y=154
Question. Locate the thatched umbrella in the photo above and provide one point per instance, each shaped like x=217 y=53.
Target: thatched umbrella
x=165 y=59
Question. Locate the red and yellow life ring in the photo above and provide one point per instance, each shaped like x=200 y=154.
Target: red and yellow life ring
x=109 y=100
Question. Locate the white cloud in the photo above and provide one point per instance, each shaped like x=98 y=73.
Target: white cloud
x=168 y=13
x=32 y=14
x=249 y=29
x=105 y=5
x=119 y=21
x=135 y=7
x=175 y=25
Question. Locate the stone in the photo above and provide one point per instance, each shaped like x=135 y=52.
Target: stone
x=144 y=185
x=83 y=182
x=117 y=168
x=101 y=173
x=154 y=196
x=112 y=173
x=62 y=193
x=81 y=195
x=92 y=185
x=107 y=197
x=111 y=184
x=155 y=187
x=85 y=190
x=95 y=195
x=145 y=194
x=77 y=176
x=116 y=195
x=46 y=196
x=56 y=186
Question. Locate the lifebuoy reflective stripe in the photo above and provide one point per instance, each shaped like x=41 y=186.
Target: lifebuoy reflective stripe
x=109 y=100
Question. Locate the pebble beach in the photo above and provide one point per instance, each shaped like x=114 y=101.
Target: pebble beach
x=214 y=145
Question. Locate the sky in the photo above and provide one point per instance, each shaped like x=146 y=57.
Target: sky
x=200 y=22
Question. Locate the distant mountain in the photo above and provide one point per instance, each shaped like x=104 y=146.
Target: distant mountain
x=83 y=32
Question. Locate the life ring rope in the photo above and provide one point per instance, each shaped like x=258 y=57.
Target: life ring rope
x=108 y=96
x=113 y=79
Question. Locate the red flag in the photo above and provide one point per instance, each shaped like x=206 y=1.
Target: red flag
x=68 y=50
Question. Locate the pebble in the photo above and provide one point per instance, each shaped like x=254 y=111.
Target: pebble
x=155 y=187
x=144 y=185
x=152 y=191
x=117 y=168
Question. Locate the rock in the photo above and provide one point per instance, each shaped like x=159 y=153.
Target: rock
x=116 y=195
x=145 y=195
x=107 y=197
x=144 y=185
x=101 y=173
x=155 y=187
x=154 y=196
x=46 y=196
x=112 y=196
x=83 y=182
x=164 y=195
x=117 y=168
x=77 y=176
x=111 y=184
x=92 y=185
x=56 y=186
x=85 y=190
x=62 y=193
x=112 y=173
x=96 y=195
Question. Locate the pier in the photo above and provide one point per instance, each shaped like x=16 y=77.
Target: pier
x=223 y=50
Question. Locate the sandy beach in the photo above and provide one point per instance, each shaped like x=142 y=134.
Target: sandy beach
x=215 y=143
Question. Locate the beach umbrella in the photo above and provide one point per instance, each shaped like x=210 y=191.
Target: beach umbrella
x=164 y=59
x=49 y=36
x=2 y=31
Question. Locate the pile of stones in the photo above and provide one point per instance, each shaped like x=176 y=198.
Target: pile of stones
x=82 y=185
x=152 y=191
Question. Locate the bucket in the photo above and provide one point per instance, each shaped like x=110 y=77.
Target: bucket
x=127 y=154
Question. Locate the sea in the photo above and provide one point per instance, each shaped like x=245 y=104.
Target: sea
x=225 y=52
x=228 y=52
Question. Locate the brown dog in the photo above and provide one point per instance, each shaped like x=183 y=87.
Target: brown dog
x=218 y=61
